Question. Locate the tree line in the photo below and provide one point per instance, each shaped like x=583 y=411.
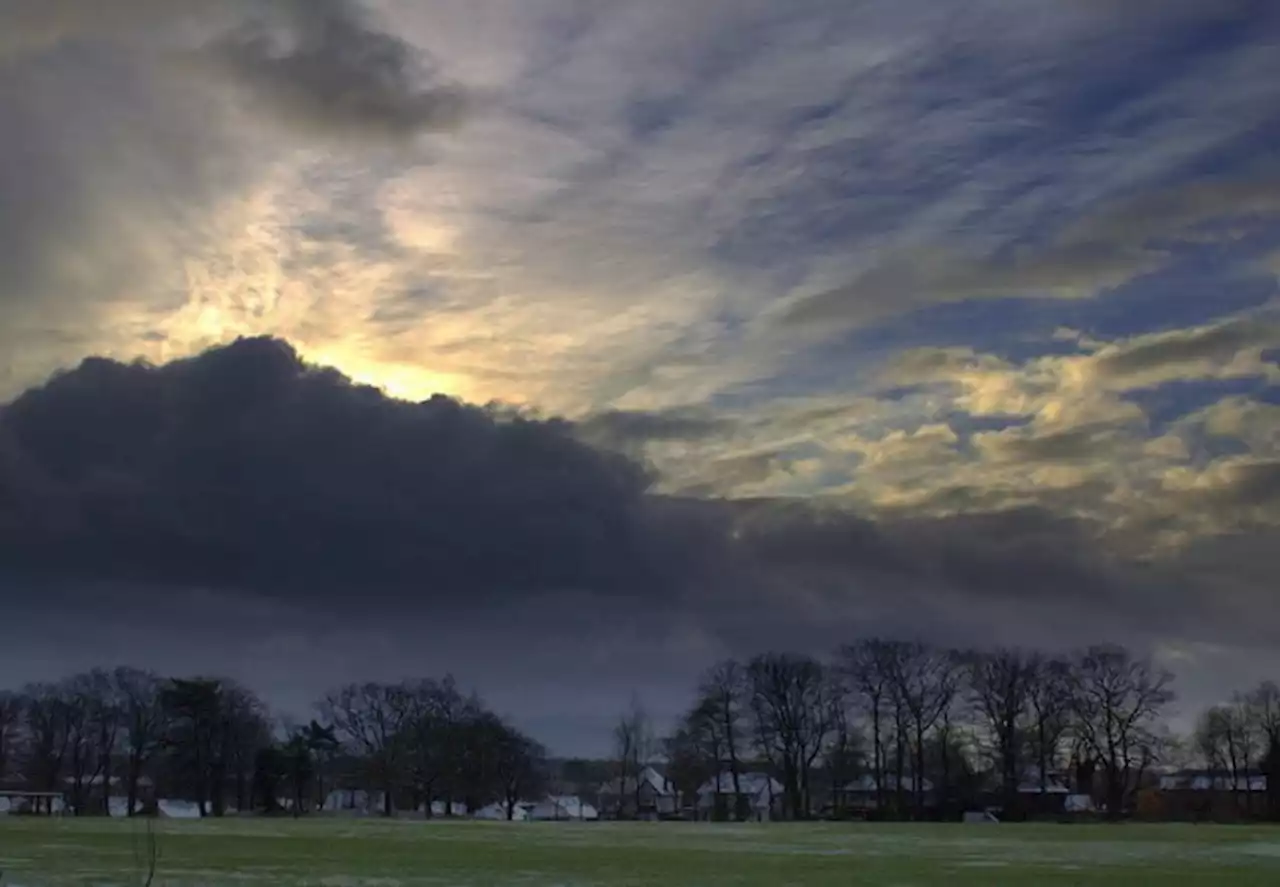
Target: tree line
x=924 y=730
x=933 y=731
x=136 y=735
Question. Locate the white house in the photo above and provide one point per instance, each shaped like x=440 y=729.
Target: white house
x=178 y=809
x=1079 y=804
x=649 y=794
x=563 y=807
x=497 y=812
x=353 y=800
x=1053 y=785
x=119 y=807
x=760 y=792
x=438 y=808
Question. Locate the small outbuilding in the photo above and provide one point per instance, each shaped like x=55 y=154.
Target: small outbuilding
x=563 y=807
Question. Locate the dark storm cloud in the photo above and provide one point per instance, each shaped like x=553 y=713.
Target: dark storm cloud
x=330 y=67
x=244 y=487
x=247 y=468
x=1026 y=553
x=322 y=63
x=244 y=467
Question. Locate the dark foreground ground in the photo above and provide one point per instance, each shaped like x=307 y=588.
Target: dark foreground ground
x=347 y=853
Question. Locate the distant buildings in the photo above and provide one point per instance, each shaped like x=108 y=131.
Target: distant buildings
x=563 y=808
x=646 y=796
x=758 y=797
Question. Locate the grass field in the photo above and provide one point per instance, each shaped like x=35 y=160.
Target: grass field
x=364 y=853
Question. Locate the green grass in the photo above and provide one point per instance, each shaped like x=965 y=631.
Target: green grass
x=370 y=853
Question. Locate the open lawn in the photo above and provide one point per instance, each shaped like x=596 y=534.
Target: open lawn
x=348 y=853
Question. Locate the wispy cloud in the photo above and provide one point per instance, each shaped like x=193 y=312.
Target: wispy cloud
x=992 y=287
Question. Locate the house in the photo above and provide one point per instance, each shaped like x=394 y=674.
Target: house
x=1077 y=803
x=865 y=792
x=759 y=797
x=1212 y=794
x=563 y=807
x=119 y=807
x=1053 y=784
x=1214 y=780
x=29 y=802
x=439 y=808
x=646 y=796
x=90 y=792
x=1034 y=797
x=497 y=812
x=168 y=809
x=353 y=800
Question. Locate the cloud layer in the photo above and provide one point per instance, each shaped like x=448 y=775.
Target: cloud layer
x=794 y=320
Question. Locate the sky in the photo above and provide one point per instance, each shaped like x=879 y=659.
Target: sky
x=570 y=346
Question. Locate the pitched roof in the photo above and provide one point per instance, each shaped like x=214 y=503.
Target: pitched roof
x=572 y=806
x=868 y=784
x=750 y=784
x=648 y=776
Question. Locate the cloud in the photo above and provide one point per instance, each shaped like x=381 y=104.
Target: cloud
x=247 y=468
x=323 y=64
x=330 y=68
x=240 y=467
x=244 y=481
x=918 y=280
x=806 y=255
x=632 y=429
x=1230 y=348
x=1233 y=347
x=128 y=146
x=1092 y=255
x=1252 y=422
x=37 y=25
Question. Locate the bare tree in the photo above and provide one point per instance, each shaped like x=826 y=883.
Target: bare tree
x=48 y=714
x=842 y=755
x=1226 y=742
x=192 y=713
x=458 y=715
x=79 y=692
x=434 y=741
x=722 y=709
x=633 y=744
x=144 y=724
x=790 y=702
x=1049 y=700
x=689 y=762
x=423 y=741
x=10 y=728
x=371 y=718
x=519 y=766
x=245 y=730
x=323 y=745
x=1000 y=689
x=477 y=737
x=868 y=669
x=1116 y=700
x=1263 y=704
x=105 y=716
x=926 y=680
